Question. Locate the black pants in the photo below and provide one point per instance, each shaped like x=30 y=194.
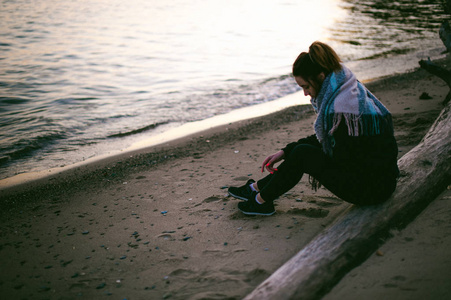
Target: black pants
x=349 y=186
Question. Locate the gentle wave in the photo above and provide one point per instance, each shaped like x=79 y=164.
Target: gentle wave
x=6 y=101
x=136 y=131
x=27 y=147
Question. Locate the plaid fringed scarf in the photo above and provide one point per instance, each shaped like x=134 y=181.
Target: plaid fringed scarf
x=343 y=98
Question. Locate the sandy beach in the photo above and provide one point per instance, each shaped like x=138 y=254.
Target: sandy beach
x=157 y=223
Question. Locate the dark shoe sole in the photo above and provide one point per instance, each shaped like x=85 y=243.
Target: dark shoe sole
x=243 y=207
x=257 y=214
x=238 y=197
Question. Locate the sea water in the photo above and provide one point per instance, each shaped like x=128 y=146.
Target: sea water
x=83 y=78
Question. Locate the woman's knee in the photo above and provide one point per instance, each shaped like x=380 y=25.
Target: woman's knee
x=307 y=157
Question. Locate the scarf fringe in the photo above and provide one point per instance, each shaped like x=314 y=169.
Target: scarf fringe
x=368 y=125
x=314 y=183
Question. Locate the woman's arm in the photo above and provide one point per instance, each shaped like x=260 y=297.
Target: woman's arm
x=269 y=162
x=310 y=140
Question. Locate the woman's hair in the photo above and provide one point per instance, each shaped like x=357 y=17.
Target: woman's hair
x=320 y=58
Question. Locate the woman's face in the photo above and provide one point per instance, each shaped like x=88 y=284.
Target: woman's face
x=309 y=90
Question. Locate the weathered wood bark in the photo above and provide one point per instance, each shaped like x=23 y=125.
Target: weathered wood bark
x=312 y=272
x=447 y=6
x=440 y=72
x=445 y=35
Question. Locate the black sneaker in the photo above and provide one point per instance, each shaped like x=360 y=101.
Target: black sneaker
x=243 y=192
x=251 y=207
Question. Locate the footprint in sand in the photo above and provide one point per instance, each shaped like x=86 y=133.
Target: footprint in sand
x=322 y=201
x=242 y=178
x=310 y=212
x=327 y=203
x=212 y=199
x=166 y=236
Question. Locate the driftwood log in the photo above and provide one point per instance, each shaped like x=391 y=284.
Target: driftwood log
x=312 y=272
x=445 y=30
x=440 y=72
x=445 y=36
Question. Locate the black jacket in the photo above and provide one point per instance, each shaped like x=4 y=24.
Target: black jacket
x=372 y=157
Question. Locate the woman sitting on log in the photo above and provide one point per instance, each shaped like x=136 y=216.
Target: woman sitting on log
x=353 y=152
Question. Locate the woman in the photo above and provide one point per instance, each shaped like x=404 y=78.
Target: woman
x=353 y=152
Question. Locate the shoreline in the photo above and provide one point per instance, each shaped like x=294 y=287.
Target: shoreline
x=175 y=135
x=142 y=157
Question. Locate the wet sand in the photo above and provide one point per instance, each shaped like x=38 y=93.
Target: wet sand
x=157 y=223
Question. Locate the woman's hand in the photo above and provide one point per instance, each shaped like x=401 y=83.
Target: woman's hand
x=269 y=162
